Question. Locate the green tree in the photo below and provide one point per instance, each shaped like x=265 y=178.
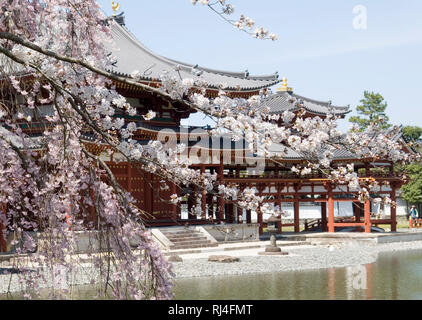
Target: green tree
x=371 y=110
x=412 y=192
x=412 y=133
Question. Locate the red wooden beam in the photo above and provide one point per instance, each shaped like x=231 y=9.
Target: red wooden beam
x=248 y=216
x=349 y=224
x=367 y=220
x=287 y=225
x=324 y=216
x=393 y=210
x=381 y=221
x=296 y=214
x=330 y=211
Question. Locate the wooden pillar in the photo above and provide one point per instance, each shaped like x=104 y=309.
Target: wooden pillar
x=296 y=216
x=203 y=198
x=191 y=204
x=324 y=216
x=261 y=227
x=3 y=242
x=367 y=213
x=230 y=212
x=357 y=210
x=203 y=204
x=248 y=216
x=296 y=213
x=279 y=204
x=367 y=169
x=210 y=205
x=330 y=210
x=393 y=210
x=239 y=214
x=259 y=213
x=220 y=200
x=174 y=211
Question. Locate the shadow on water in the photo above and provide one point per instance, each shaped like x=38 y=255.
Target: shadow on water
x=394 y=276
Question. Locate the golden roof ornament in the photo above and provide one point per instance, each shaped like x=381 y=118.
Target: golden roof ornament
x=115 y=6
x=284 y=87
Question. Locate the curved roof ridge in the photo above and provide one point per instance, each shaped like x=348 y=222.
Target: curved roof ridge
x=234 y=74
x=283 y=101
x=139 y=44
x=133 y=55
x=323 y=103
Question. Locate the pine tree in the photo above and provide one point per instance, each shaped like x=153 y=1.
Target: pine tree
x=412 y=192
x=371 y=110
x=412 y=133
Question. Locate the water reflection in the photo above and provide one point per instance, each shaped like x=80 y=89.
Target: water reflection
x=394 y=276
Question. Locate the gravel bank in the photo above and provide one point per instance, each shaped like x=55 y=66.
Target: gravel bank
x=299 y=258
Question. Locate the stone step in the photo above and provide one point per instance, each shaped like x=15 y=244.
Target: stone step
x=183 y=235
x=190 y=246
x=187 y=241
x=180 y=233
x=175 y=236
x=191 y=239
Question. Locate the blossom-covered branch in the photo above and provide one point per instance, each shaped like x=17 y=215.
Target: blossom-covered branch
x=225 y=9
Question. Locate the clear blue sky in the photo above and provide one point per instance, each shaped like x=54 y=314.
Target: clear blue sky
x=318 y=50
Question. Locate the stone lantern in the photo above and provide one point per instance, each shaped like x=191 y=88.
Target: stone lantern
x=272 y=227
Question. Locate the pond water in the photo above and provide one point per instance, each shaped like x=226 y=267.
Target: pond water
x=395 y=276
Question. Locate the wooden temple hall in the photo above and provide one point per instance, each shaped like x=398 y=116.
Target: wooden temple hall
x=230 y=160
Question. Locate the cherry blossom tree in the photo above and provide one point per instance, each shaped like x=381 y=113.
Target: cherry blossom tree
x=53 y=61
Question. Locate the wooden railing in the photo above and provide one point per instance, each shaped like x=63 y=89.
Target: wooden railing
x=312 y=225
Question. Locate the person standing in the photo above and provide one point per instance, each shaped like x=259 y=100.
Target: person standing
x=414 y=214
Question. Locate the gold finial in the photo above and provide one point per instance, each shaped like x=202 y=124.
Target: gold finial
x=284 y=86
x=115 y=6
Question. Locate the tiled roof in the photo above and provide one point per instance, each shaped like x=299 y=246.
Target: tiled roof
x=132 y=55
x=225 y=143
x=283 y=101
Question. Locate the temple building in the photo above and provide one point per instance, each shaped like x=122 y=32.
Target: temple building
x=230 y=159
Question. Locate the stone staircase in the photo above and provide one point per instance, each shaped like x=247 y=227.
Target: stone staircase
x=187 y=239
